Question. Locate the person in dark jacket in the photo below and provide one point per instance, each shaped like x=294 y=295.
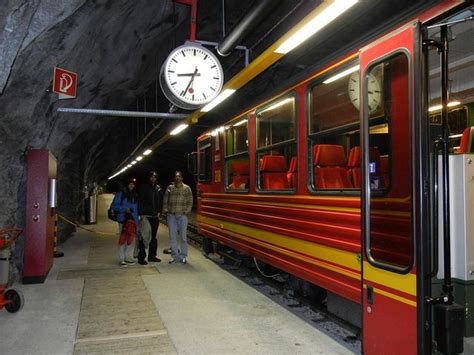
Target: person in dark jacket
x=150 y=201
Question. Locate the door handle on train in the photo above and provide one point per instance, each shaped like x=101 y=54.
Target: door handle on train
x=370 y=295
x=437 y=146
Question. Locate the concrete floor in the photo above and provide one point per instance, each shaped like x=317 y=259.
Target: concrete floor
x=204 y=309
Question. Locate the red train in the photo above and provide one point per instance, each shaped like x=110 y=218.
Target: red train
x=339 y=181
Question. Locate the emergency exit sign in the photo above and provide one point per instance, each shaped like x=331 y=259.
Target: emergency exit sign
x=64 y=83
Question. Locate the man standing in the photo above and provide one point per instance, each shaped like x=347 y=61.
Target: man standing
x=150 y=201
x=177 y=203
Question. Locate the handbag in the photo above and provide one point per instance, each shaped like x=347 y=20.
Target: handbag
x=112 y=214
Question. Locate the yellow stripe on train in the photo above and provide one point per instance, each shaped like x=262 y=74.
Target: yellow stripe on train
x=402 y=282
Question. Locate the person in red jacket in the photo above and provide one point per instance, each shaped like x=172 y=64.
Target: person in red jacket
x=126 y=239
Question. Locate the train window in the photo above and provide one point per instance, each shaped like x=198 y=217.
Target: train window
x=237 y=155
x=205 y=160
x=387 y=90
x=276 y=145
x=457 y=122
x=334 y=131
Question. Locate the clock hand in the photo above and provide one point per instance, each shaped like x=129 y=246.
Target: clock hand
x=190 y=82
x=189 y=74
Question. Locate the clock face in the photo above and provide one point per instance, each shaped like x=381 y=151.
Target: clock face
x=191 y=76
x=374 y=92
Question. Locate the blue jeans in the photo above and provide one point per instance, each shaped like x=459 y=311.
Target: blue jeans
x=178 y=223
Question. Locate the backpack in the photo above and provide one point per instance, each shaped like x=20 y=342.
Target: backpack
x=111 y=213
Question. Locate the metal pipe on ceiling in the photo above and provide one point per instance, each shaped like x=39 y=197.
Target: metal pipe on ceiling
x=256 y=14
x=117 y=113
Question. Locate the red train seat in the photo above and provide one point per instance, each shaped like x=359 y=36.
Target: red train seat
x=240 y=175
x=329 y=172
x=353 y=164
x=292 y=174
x=467 y=141
x=273 y=170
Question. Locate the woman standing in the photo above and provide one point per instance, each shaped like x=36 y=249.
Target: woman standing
x=125 y=204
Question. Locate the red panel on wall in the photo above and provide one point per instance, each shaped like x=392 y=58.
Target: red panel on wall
x=39 y=221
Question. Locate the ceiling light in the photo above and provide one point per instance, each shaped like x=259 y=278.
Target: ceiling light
x=326 y=16
x=240 y=123
x=179 y=129
x=222 y=96
x=133 y=162
x=439 y=107
x=139 y=158
x=278 y=104
x=217 y=131
x=147 y=152
x=342 y=74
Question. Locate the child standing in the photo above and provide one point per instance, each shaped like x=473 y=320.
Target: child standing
x=127 y=236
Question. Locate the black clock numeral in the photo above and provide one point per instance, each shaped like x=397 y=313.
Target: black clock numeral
x=213 y=89
x=174 y=60
x=205 y=57
x=370 y=92
x=351 y=90
x=355 y=81
x=170 y=71
x=355 y=99
x=193 y=97
x=215 y=77
x=174 y=83
x=377 y=91
x=194 y=52
x=203 y=94
x=184 y=54
x=213 y=66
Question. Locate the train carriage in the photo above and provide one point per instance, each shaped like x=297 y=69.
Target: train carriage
x=346 y=179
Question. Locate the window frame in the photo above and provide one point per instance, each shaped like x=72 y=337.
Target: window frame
x=204 y=144
x=367 y=238
x=236 y=156
x=293 y=141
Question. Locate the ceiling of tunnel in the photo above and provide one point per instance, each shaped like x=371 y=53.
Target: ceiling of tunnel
x=117 y=48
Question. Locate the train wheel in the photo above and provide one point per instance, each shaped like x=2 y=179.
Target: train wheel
x=17 y=300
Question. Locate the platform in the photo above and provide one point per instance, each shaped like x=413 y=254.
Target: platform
x=89 y=305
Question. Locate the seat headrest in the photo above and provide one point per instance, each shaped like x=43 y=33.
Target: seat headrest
x=240 y=168
x=355 y=156
x=273 y=163
x=329 y=155
x=466 y=140
x=292 y=168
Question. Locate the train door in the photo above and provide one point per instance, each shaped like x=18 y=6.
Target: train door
x=389 y=84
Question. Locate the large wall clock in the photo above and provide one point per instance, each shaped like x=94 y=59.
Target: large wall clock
x=374 y=92
x=191 y=76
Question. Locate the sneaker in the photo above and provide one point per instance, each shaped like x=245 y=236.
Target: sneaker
x=154 y=259
x=130 y=262
x=123 y=264
x=184 y=261
x=142 y=262
x=172 y=261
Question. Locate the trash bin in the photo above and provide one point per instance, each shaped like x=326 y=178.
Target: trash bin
x=90 y=205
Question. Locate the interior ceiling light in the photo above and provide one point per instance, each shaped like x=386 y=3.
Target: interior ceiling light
x=329 y=14
x=147 y=152
x=278 y=104
x=179 y=129
x=222 y=96
x=139 y=158
x=342 y=74
x=133 y=162
x=240 y=123
x=439 y=107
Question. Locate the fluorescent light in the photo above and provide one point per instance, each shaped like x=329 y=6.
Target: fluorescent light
x=326 y=16
x=178 y=129
x=439 y=107
x=342 y=74
x=240 y=123
x=139 y=158
x=278 y=104
x=217 y=131
x=129 y=165
x=221 y=97
x=147 y=152
x=133 y=162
